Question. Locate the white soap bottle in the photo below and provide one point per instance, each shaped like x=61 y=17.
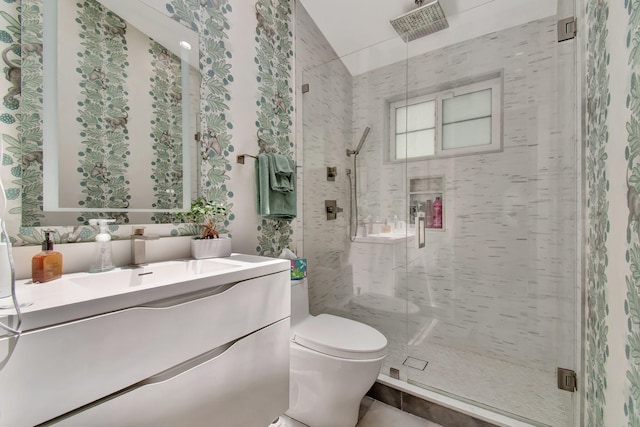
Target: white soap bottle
x=102 y=258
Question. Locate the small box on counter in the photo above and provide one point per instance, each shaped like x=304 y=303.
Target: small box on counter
x=298 y=268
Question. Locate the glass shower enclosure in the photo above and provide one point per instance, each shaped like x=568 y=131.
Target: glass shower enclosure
x=472 y=145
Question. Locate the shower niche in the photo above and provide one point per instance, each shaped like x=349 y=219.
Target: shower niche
x=426 y=198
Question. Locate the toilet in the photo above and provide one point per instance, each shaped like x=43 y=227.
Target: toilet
x=334 y=361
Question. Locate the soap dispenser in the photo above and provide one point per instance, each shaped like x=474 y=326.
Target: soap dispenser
x=46 y=265
x=102 y=256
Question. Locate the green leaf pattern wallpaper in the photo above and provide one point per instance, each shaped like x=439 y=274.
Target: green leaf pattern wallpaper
x=10 y=87
x=103 y=112
x=631 y=154
x=612 y=215
x=596 y=211
x=166 y=125
x=212 y=23
x=30 y=121
x=103 y=176
x=274 y=123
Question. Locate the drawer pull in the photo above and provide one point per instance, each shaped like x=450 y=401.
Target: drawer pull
x=160 y=377
x=183 y=299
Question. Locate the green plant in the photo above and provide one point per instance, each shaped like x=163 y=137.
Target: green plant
x=207 y=214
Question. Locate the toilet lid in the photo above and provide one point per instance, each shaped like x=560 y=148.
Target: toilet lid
x=340 y=337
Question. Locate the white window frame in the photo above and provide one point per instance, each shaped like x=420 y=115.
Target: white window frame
x=409 y=102
x=495 y=84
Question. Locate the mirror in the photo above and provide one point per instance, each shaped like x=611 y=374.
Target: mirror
x=120 y=104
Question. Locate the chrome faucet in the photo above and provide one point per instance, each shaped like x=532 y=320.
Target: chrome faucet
x=138 y=245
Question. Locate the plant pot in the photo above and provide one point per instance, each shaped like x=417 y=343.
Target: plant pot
x=210 y=248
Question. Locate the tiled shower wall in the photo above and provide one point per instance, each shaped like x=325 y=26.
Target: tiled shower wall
x=500 y=278
x=327 y=133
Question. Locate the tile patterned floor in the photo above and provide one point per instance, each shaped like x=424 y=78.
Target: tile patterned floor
x=534 y=395
x=381 y=415
x=374 y=414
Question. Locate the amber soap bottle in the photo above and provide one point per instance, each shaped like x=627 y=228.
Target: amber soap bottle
x=46 y=265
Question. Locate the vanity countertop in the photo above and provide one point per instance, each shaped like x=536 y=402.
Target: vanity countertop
x=80 y=295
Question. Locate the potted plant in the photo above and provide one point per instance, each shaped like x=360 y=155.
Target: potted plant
x=208 y=216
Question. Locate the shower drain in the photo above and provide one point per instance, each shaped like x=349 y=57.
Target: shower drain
x=415 y=363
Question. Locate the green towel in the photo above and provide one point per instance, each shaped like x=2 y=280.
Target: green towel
x=270 y=203
x=281 y=172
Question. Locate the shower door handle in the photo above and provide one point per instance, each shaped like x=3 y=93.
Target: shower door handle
x=421 y=233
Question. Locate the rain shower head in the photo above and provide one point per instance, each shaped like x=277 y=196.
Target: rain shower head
x=420 y=22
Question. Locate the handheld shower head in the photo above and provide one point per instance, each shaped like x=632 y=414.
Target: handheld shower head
x=362 y=139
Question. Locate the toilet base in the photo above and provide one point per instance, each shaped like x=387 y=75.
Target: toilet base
x=326 y=391
x=276 y=423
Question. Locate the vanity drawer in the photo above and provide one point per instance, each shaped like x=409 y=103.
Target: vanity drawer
x=69 y=365
x=247 y=384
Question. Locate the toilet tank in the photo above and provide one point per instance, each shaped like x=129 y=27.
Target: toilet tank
x=299 y=300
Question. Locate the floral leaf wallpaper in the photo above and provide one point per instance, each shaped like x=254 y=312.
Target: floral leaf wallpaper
x=211 y=22
x=103 y=114
x=597 y=210
x=166 y=125
x=631 y=155
x=30 y=121
x=10 y=87
x=275 y=104
x=22 y=136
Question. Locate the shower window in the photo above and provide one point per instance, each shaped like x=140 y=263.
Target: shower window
x=462 y=120
x=414 y=125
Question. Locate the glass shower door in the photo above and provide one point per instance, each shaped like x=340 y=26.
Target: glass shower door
x=478 y=139
x=494 y=288
x=357 y=258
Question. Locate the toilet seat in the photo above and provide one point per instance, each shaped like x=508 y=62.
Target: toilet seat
x=339 y=337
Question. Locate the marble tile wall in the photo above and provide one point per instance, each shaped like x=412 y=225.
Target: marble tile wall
x=500 y=278
x=326 y=133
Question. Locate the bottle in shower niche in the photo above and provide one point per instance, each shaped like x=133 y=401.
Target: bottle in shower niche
x=429 y=214
x=437 y=213
x=46 y=265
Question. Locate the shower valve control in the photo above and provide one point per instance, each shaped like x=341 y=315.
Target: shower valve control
x=331 y=173
x=332 y=209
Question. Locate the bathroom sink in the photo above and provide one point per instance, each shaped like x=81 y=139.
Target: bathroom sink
x=80 y=295
x=162 y=272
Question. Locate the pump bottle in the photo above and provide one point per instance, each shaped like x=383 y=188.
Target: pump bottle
x=102 y=256
x=46 y=265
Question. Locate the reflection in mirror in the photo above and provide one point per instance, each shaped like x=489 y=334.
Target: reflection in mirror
x=120 y=109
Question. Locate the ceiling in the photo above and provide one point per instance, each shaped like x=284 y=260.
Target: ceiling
x=360 y=33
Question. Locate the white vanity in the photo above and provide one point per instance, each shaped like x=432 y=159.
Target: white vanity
x=177 y=343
